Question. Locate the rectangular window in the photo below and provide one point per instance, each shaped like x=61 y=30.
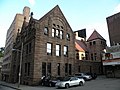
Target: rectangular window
x=30 y=47
x=58 y=66
x=49 y=49
x=70 y=69
x=58 y=50
x=48 y=68
x=57 y=33
x=27 y=49
x=65 y=50
x=95 y=56
x=91 y=56
x=66 y=68
x=28 y=72
x=43 y=69
x=53 y=32
x=61 y=34
x=46 y=30
x=25 y=67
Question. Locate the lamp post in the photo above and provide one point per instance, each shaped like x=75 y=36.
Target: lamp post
x=20 y=67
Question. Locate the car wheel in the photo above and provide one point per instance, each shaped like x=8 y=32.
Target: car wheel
x=81 y=83
x=67 y=85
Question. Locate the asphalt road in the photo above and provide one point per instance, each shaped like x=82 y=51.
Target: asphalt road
x=98 y=84
x=5 y=88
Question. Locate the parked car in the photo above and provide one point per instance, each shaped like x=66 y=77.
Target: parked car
x=70 y=81
x=93 y=75
x=50 y=81
x=84 y=76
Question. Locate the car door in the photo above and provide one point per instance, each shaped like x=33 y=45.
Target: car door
x=74 y=81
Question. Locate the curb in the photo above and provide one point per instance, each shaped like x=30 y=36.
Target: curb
x=11 y=87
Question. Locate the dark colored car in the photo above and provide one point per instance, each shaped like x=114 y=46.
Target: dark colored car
x=50 y=81
x=93 y=75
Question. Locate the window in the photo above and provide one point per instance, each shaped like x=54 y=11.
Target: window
x=61 y=34
x=53 y=32
x=58 y=50
x=70 y=69
x=66 y=68
x=95 y=56
x=58 y=66
x=30 y=47
x=57 y=33
x=27 y=49
x=91 y=56
x=68 y=36
x=49 y=49
x=46 y=30
x=27 y=69
x=65 y=50
x=90 y=43
x=94 y=42
x=58 y=26
x=43 y=69
x=28 y=73
x=77 y=55
x=49 y=68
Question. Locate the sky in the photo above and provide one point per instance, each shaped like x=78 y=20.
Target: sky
x=80 y=14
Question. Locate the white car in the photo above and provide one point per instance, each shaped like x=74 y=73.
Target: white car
x=70 y=81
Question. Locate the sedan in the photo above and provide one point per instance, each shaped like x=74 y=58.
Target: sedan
x=84 y=76
x=70 y=81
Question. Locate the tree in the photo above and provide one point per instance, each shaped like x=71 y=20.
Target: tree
x=1 y=52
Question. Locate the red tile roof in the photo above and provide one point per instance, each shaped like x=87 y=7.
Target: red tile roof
x=80 y=45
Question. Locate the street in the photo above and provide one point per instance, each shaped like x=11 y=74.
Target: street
x=5 y=88
x=98 y=84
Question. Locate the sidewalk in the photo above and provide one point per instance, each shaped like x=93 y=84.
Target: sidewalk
x=10 y=85
x=23 y=87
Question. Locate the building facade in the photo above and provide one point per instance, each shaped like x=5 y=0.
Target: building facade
x=96 y=44
x=48 y=48
x=111 y=61
x=10 y=39
x=113 y=23
x=89 y=53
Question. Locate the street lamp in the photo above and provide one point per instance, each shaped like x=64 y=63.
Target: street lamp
x=21 y=51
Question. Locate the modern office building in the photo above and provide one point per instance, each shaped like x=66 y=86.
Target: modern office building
x=113 y=23
x=10 y=40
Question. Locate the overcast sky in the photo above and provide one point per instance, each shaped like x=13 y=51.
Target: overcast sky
x=89 y=14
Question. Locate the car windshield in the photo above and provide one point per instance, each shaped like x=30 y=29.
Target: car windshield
x=66 y=79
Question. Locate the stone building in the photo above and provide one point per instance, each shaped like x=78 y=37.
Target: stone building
x=10 y=39
x=48 y=48
x=89 y=53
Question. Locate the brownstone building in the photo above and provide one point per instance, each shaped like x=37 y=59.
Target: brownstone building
x=89 y=53
x=48 y=48
x=113 y=23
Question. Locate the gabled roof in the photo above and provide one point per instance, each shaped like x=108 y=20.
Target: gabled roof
x=95 y=35
x=81 y=46
x=56 y=11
